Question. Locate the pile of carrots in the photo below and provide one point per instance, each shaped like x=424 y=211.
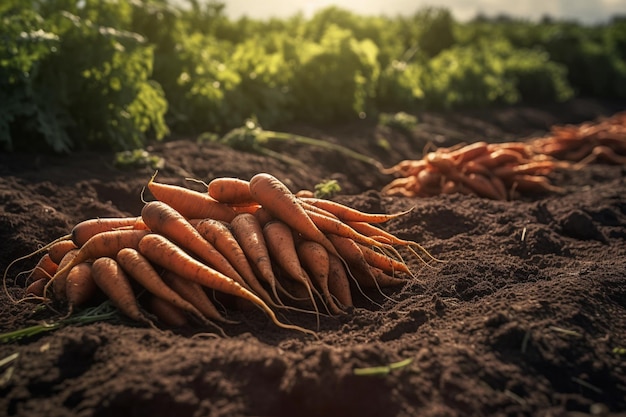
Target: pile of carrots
x=497 y=171
x=190 y=255
x=604 y=140
x=503 y=171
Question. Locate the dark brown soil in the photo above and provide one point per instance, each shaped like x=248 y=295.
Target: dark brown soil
x=525 y=316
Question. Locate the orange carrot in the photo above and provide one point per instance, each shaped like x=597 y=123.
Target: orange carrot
x=276 y=198
x=80 y=287
x=112 y=280
x=230 y=190
x=59 y=249
x=45 y=268
x=59 y=283
x=249 y=234
x=35 y=289
x=315 y=260
x=381 y=279
x=331 y=225
x=194 y=293
x=381 y=235
x=163 y=252
x=165 y=220
x=383 y=261
x=338 y=282
x=189 y=203
x=220 y=236
x=103 y=244
x=167 y=313
x=282 y=248
x=84 y=230
x=142 y=271
x=468 y=152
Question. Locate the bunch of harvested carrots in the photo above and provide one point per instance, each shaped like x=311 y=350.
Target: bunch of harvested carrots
x=497 y=171
x=502 y=171
x=241 y=243
x=604 y=140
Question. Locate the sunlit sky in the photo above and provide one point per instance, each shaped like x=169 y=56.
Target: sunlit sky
x=587 y=11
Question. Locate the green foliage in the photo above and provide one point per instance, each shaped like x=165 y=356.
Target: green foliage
x=69 y=82
x=116 y=73
x=137 y=158
x=336 y=78
x=401 y=121
x=327 y=189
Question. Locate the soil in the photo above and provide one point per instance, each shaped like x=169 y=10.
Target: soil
x=526 y=315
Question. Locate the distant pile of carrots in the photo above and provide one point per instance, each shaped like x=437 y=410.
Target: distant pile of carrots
x=503 y=171
x=242 y=243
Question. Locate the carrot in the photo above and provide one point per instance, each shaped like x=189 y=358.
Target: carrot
x=316 y=260
x=331 y=225
x=35 y=289
x=468 y=152
x=263 y=216
x=534 y=183
x=245 y=208
x=338 y=282
x=112 y=280
x=381 y=279
x=220 y=236
x=384 y=262
x=249 y=234
x=530 y=168
x=167 y=313
x=45 y=268
x=84 y=230
x=80 y=286
x=163 y=252
x=346 y=213
x=276 y=198
x=194 y=293
x=59 y=283
x=59 y=249
x=189 y=203
x=142 y=271
x=381 y=235
x=230 y=190
x=165 y=220
x=101 y=245
x=282 y=248
x=351 y=252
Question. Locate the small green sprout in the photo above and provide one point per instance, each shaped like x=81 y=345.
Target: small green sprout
x=138 y=158
x=382 y=370
x=401 y=121
x=327 y=189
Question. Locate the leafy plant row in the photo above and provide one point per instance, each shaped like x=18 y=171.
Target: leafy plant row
x=112 y=74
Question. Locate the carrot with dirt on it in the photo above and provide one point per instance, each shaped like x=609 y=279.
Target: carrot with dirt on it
x=142 y=271
x=231 y=191
x=163 y=252
x=189 y=203
x=316 y=260
x=45 y=268
x=338 y=282
x=104 y=244
x=80 y=287
x=347 y=213
x=86 y=229
x=195 y=294
x=164 y=219
x=219 y=235
x=113 y=281
x=282 y=248
x=58 y=250
x=281 y=203
x=249 y=234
